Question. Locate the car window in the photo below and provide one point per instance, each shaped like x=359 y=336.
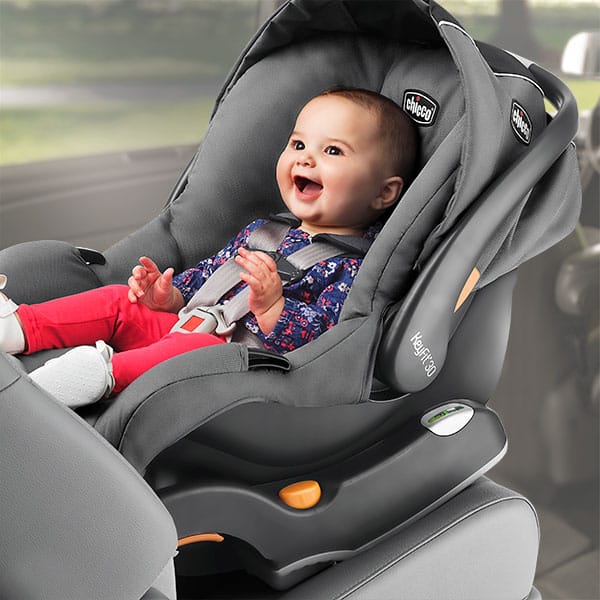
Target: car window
x=81 y=77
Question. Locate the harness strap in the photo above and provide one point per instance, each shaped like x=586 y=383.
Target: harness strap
x=218 y=284
x=237 y=307
x=268 y=238
x=314 y=253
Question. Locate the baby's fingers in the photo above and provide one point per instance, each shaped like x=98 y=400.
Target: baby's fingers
x=134 y=290
x=252 y=265
x=139 y=273
x=165 y=281
x=257 y=258
x=251 y=280
x=149 y=264
x=266 y=260
x=138 y=282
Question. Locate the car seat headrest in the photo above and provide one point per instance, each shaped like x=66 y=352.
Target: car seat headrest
x=235 y=175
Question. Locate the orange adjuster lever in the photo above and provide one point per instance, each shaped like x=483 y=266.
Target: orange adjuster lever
x=301 y=495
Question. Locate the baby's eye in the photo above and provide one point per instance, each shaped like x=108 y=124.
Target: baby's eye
x=297 y=144
x=333 y=151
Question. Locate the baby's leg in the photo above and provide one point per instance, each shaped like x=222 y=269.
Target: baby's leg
x=104 y=313
x=87 y=373
x=129 y=365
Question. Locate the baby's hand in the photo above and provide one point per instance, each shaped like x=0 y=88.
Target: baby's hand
x=266 y=290
x=153 y=288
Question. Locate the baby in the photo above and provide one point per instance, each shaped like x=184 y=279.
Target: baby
x=346 y=163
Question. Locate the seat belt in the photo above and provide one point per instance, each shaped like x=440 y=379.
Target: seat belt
x=205 y=314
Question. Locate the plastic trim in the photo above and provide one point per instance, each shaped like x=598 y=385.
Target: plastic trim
x=91 y=256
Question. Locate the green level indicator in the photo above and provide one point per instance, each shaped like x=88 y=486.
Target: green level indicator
x=444 y=413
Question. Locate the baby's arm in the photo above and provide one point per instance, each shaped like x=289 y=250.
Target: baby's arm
x=266 y=290
x=310 y=311
x=153 y=288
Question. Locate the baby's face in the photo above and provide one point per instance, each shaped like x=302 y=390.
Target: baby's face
x=332 y=171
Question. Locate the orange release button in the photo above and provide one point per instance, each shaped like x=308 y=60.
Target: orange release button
x=302 y=494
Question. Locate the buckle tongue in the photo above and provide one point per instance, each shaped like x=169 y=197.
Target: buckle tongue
x=204 y=319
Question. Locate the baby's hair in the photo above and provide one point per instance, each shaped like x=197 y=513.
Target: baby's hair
x=397 y=130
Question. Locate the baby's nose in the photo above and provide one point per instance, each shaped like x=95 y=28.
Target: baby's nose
x=305 y=159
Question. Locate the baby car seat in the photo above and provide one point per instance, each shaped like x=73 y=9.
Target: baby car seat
x=360 y=454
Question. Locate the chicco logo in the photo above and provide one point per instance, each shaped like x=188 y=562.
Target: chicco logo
x=420 y=107
x=520 y=123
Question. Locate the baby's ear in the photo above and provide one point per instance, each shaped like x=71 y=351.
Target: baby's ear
x=389 y=193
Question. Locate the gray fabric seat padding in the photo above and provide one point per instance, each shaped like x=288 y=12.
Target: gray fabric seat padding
x=480 y=545
x=181 y=394
x=59 y=271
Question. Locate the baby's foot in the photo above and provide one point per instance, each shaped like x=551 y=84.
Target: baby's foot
x=80 y=376
x=12 y=339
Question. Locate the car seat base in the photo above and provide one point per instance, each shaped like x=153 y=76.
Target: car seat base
x=428 y=470
x=431 y=558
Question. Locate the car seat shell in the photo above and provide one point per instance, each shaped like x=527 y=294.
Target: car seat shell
x=454 y=217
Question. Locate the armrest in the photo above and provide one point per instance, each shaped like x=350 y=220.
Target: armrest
x=39 y=271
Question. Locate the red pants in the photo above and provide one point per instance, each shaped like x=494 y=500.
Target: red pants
x=140 y=336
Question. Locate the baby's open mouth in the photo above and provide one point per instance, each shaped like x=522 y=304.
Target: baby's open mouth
x=306 y=185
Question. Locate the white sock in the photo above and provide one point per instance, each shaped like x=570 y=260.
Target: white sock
x=12 y=339
x=80 y=376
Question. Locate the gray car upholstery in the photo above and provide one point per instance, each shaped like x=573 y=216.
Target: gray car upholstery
x=76 y=520
x=481 y=545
